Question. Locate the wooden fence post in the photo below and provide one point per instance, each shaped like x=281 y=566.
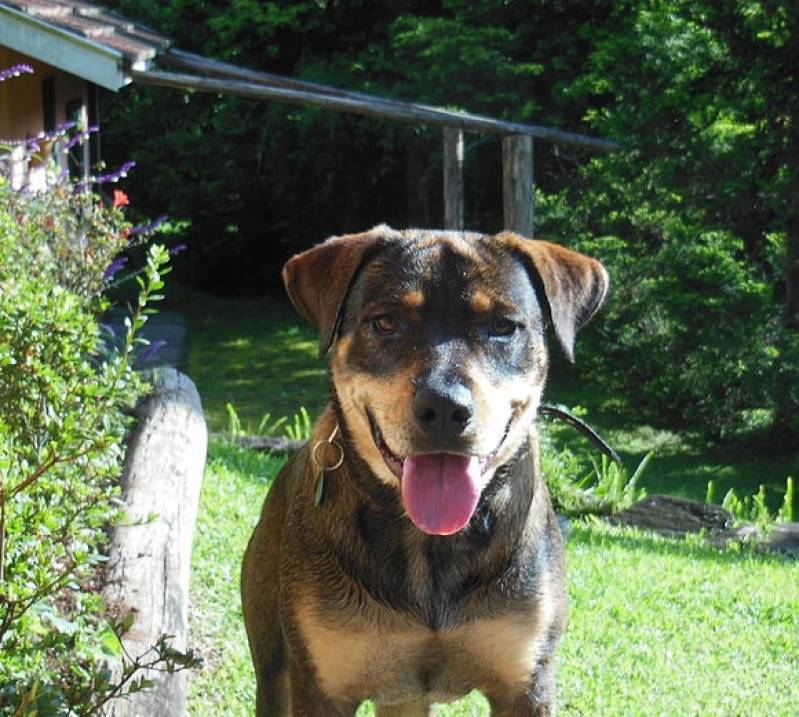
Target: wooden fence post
x=453 y=178
x=150 y=551
x=517 y=183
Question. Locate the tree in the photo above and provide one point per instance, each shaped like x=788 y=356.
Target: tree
x=696 y=216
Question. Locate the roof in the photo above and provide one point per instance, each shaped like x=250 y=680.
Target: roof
x=101 y=46
x=81 y=38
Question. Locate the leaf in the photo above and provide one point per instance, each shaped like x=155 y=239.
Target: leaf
x=110 y=643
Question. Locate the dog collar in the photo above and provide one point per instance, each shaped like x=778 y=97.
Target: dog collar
x=319 y=463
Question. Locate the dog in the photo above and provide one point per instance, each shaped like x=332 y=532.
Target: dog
x=409 y=554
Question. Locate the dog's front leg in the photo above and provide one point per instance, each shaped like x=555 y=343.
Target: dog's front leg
x=308 y=699
x=537 y=699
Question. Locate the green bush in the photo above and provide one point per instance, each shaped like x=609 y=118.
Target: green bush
x=697 y=335
x=692 y=335
x=66 y=394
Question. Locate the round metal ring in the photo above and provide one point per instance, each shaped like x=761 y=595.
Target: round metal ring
x=338 y=463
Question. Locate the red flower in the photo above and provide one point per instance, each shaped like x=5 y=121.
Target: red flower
x=120 y=199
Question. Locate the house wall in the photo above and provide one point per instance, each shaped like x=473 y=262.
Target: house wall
x=22 y=112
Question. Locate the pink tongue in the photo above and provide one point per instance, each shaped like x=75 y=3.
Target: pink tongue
x=440 y=491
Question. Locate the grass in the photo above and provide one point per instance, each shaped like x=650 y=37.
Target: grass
x=257 y=355
x=683 y=463
x=233 y=489
x=657 y=627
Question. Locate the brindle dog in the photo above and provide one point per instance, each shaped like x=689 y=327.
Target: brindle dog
x=429 y=562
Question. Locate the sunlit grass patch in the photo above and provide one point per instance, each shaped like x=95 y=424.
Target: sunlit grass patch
x=657 y=627
x=234 y=487
x=255 y=354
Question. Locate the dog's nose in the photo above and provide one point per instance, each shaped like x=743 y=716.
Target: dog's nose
x=443 y=410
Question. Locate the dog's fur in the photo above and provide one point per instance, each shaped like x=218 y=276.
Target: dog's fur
x=349 y=600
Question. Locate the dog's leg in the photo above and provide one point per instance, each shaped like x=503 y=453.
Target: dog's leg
x=537 y=700
x=409 y=709
x=268 y=648
x=269 y=652
x=308 y=700
x=260 y=606
x=272 y=695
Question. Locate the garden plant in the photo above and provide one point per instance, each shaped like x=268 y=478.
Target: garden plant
x=67 y=389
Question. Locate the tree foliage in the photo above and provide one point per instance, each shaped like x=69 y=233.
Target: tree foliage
x=701 y=198
x=697 y=216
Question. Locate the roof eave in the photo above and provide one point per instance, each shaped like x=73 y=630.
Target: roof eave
x=69 y=52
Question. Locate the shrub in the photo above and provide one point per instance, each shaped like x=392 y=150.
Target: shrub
x=754 y=508
x=65 y=397
x=691 y=335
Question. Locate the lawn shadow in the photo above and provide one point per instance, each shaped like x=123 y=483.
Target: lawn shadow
x=255 y=354
x=596 y=534
x=683 y=462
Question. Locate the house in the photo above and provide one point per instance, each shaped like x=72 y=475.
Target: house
x=76 y=50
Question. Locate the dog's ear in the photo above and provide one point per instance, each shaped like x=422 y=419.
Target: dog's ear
x=574 y=285
x=318 y=280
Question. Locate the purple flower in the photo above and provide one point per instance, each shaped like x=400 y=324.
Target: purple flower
x=148 y=352
x=115 y=266
x=15 y=71
x=64 y=127
x=80 y=137
x=107 y=178
x=58 y=133
x=116 y=175
x=149 y=228
x=177 y=249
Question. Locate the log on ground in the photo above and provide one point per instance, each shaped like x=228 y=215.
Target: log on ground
x=150 y=551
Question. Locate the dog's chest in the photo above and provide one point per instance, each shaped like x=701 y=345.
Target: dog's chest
x=392 y=658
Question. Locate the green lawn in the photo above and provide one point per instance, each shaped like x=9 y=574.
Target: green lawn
x=257 y=355
x=657 y=627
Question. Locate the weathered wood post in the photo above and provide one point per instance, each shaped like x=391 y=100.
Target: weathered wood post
x=150 y=553
x=517 y=183
x=453 y=178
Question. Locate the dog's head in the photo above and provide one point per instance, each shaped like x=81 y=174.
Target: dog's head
x=439 y=358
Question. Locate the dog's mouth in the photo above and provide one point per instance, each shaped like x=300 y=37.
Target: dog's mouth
x=394 y=462
x=440 y=491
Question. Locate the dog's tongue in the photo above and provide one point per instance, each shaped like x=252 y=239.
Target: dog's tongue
x=440 y=491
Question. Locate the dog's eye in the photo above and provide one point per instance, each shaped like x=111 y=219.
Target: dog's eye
x=385 y=325
x=502 y=326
